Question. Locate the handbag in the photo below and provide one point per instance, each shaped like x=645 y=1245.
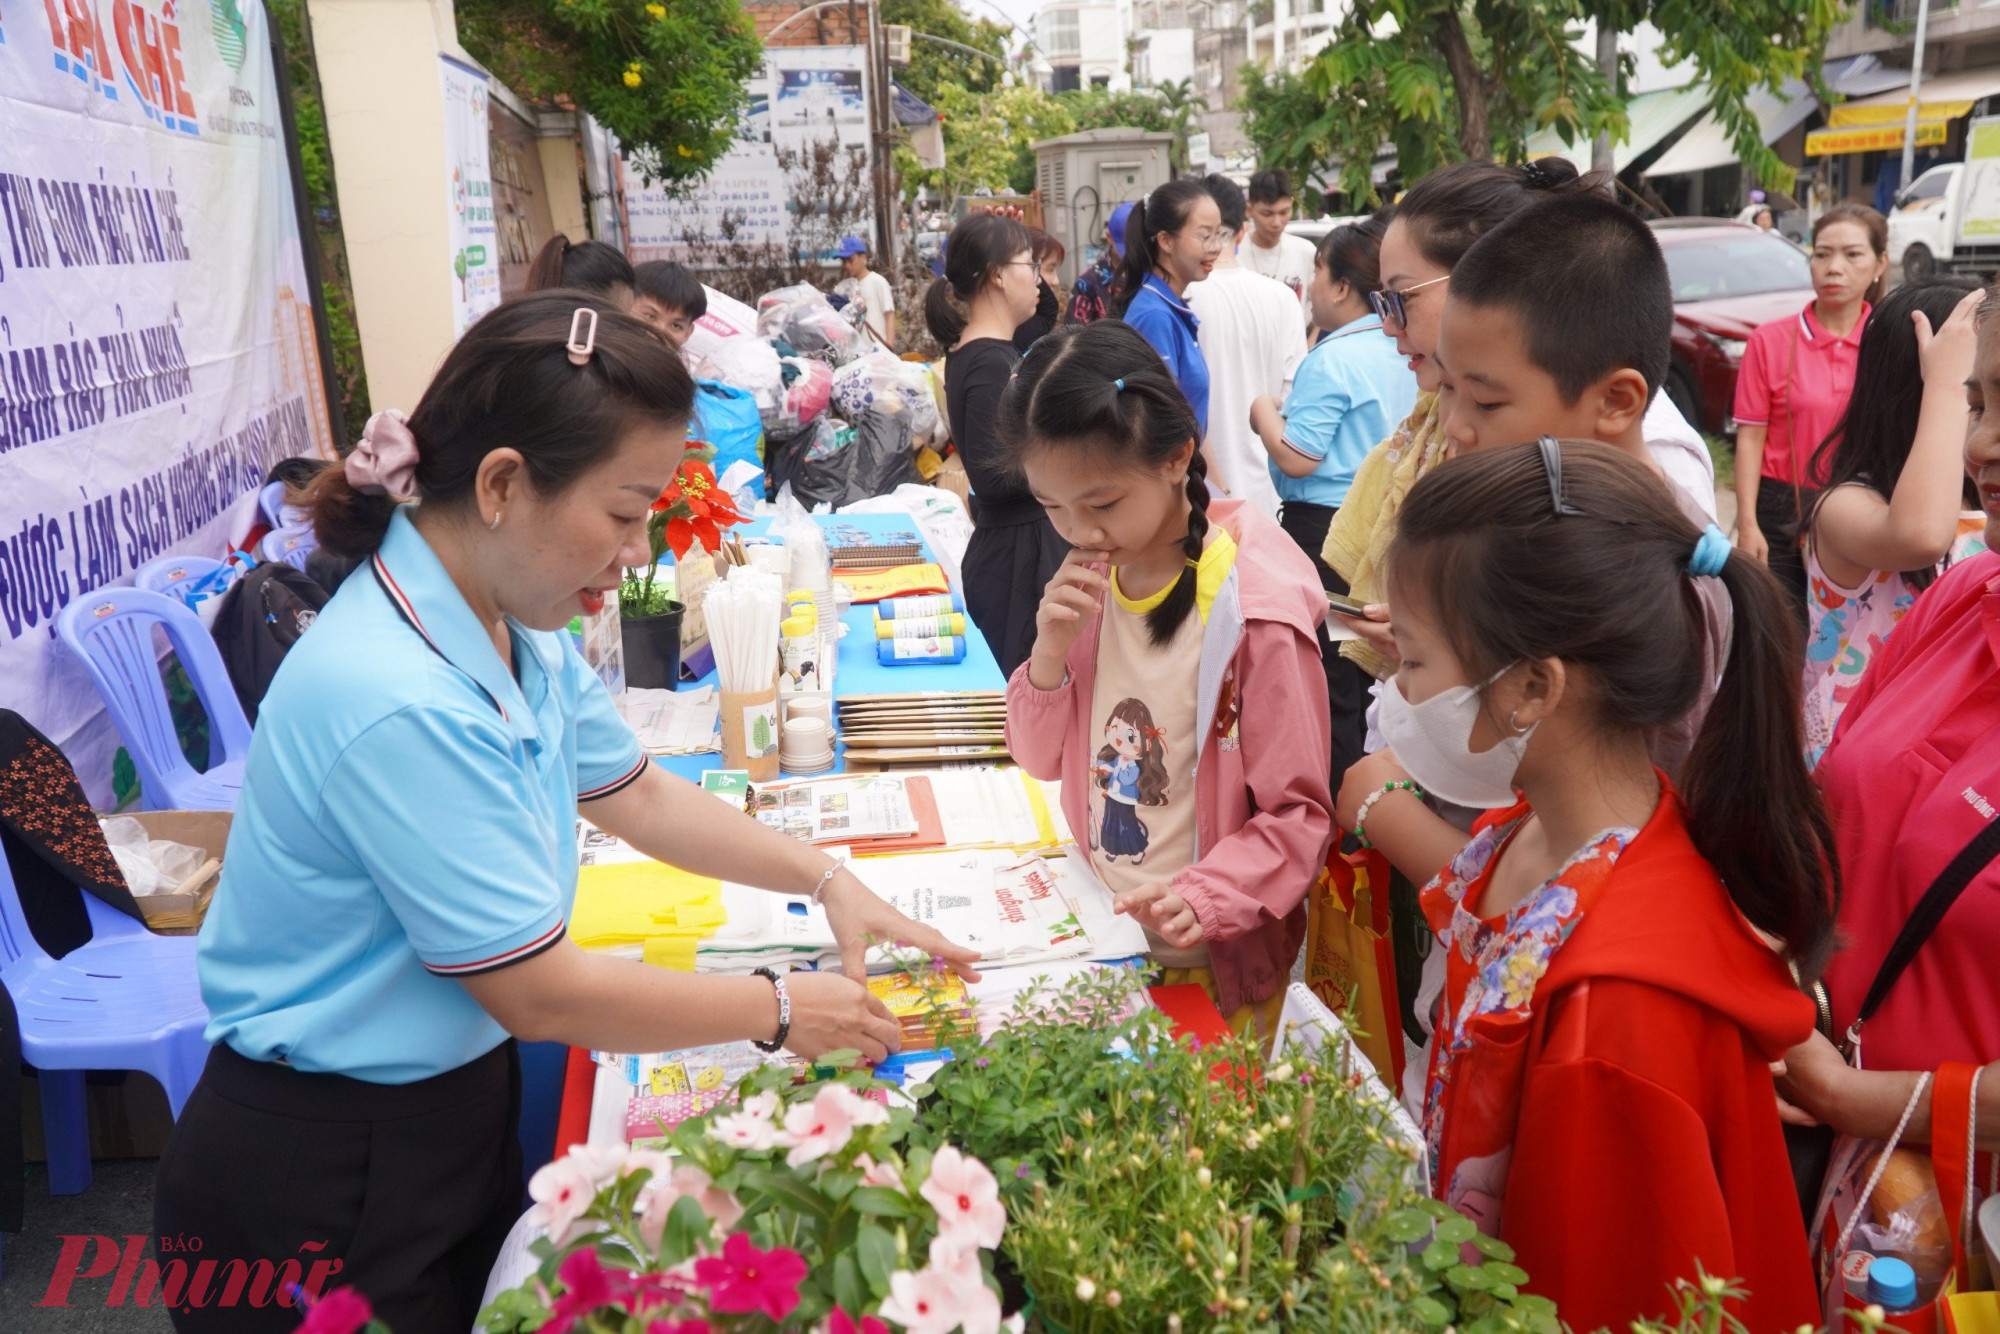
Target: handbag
x=1350 y=956
x=1929 y=1228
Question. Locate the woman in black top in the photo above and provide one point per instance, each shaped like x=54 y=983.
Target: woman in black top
x=989 y=289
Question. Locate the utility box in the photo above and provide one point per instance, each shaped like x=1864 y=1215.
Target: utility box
x=1082 y=177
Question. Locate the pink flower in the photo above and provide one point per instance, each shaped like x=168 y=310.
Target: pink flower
x=562 y=1191
x=750 y=1127
x=666 y=1189
x=587 y=1286
x=342 y=1311
x=600 y=1162
x=744 y=1278
x=925 y=1302
x=966 y=1197
x=678 y=1327
x=839 y=1322
x=878 y=1174
x=823 y=1126
x=978 y=1305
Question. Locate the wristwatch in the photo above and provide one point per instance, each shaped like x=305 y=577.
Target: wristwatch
x=784 y=1011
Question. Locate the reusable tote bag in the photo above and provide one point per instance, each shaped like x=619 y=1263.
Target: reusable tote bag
x=1880 y=1201
x=1350 y=958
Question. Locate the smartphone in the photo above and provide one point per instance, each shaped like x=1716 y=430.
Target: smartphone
x=1347 y=606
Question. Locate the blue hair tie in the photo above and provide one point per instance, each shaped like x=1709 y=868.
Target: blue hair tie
x=1119 y=384
x=1711 y=553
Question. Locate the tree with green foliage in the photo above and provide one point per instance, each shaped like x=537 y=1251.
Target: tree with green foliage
x=668 y=80
x=1290 y=128
x=1102 y=109
x=931 y=65
x=989 y=139
x=1442 y=80
x=1180 y=104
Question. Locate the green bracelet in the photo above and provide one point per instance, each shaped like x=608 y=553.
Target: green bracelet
x=1361 y=816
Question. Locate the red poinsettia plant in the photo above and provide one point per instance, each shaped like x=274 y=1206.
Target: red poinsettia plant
x=693 y=509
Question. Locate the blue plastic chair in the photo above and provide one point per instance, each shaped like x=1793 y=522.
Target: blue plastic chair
x=172 y=574
x=127 y=1000
x=290 y=545
x=112 y=631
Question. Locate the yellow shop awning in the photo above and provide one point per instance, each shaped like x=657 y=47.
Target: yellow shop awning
x=1833 y=141
x=1945 y=97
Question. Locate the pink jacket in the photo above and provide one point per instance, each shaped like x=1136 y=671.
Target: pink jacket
x=1263 y=812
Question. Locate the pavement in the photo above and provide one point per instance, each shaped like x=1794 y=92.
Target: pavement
x=119 y=1204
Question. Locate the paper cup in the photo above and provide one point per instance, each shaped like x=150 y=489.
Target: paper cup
x=750 y=733
x=810 y=704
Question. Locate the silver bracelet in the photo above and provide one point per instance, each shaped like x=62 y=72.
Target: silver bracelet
x=819 y=890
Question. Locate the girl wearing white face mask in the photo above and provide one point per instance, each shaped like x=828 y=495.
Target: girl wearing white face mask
x=1598 y=1093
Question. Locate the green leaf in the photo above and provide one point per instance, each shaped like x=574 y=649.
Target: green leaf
x=687 y=1228
x=1507 y=1273
x=881 y=1202
x=770 y=1181
x=1457 y=1230
x=875 y=1249
x=1431 y=1311
x=1440 y=1255
x=1492 y=1247
x=848 y=1292
x=1407 y=1226
x=1464 y=1278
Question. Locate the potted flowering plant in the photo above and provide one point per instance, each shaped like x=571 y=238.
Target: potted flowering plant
x=692 y=510
x=794 y=1209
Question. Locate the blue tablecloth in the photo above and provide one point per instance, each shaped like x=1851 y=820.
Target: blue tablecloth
x=857 y=671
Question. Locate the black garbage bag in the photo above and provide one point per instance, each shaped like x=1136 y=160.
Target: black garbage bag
x=840 y=464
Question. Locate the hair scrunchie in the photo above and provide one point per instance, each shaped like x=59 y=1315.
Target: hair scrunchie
x=385 y=462
x=1711 y=553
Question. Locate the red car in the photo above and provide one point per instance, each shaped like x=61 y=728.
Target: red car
x=1729 y=277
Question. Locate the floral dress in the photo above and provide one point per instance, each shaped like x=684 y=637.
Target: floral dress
x=1846 y=626
x=1493 y=964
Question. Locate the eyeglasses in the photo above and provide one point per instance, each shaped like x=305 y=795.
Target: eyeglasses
x=1393 y=306
x=1208 y=240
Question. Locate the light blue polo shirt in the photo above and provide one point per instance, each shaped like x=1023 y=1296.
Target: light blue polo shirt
x=1347 y=395
x=408 y=818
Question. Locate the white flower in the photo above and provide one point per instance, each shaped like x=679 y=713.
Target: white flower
x=561 y=1190
x=823 y=1126
x=744 y=1130
x=1085 y=1290
x=878 y=1174
x=966 y=1197
x=602 y=1163
x=1203 y=1177
x=926 y=1302
x=665 y=1190
x=764 y=1106
x=978 y=1305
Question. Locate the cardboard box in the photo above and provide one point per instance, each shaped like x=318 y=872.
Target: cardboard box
x=181 y=914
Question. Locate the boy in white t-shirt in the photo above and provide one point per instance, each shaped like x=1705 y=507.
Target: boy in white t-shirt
x=1269 y=249
x=868 y=290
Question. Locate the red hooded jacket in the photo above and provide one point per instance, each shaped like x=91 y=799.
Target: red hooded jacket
x=1649 y=1139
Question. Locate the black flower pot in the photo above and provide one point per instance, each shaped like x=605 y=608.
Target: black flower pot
x=653 y=649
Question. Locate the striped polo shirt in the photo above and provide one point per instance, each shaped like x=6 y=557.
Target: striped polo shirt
x=408 y=818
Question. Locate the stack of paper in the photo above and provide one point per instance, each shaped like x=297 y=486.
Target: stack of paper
x=924 y=726
x=929 y=1009
x=674 y=722
x=996 y=808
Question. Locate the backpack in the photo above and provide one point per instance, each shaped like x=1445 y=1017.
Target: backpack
x=259 y=621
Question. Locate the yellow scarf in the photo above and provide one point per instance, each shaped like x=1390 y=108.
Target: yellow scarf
x=1366 y=521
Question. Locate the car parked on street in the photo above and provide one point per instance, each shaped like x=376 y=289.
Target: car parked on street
x=1728 y=278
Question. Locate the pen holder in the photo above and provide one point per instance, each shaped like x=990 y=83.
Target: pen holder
x=750 y=732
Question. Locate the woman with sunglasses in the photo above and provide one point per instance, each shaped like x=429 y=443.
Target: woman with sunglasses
x=1171 y=239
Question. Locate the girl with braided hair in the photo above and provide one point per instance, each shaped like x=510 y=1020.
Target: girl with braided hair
x=1175 y=673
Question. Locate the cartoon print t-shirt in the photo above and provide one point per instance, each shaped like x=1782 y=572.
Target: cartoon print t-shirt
x=1142 y=810
x=1849 y=624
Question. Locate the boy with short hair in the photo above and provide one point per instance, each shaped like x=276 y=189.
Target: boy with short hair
x=869 y=290
x=668 y=299
x=1558 y=323
x=1269 y=249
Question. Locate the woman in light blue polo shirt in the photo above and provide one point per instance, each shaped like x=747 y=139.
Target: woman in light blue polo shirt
x=1171 y=239
x=1346 y=397
x=403 y=860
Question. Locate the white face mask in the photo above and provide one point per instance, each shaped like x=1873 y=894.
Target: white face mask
x=1433 y=742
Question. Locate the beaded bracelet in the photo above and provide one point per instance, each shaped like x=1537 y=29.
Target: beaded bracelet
x=1361 y=816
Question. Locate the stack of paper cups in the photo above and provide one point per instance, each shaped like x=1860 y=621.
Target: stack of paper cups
x=808 y=746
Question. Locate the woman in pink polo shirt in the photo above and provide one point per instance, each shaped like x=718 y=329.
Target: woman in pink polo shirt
x=1792 y=389
x=1912 y=782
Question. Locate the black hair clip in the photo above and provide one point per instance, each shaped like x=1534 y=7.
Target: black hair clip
x=1552 y=464
x=1537 y=177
